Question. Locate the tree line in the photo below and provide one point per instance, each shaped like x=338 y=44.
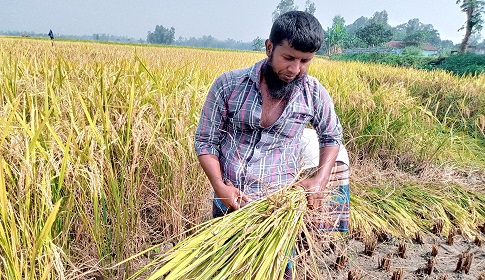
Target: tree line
x=363 y=32
x=166 y=36
x=376 y=31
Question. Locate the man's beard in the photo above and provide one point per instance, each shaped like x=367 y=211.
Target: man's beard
x=278 y=89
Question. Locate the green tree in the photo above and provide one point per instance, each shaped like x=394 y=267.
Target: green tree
x=352 y=41
x=415 y=39
x=310 y=7
x=415 y=33
x=283 y=7
x=336 y=35
x=357 y=24
x=380 y=18
x=374 y=34
x=446 y=45
x=412 y=26
x=161 y=35
x=399 y=32
x=432 y=35
x=474 y=10
x=258 y=44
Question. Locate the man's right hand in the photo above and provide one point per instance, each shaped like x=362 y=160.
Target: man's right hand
x=232 y=197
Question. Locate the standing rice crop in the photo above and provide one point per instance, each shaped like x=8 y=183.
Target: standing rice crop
x=97 y=160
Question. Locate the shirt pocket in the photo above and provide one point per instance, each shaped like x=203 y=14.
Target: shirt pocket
x=299 y=113
x=293 y=123
x=240 y=125
x=244 y=119
x=299 y=117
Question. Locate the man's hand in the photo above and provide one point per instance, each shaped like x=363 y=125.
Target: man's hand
x=315 y=189
x=315 y=186
x=232 y=197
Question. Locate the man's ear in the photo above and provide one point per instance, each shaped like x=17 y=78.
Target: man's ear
x=269 y=47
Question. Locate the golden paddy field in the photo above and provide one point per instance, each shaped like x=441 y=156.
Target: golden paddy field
x=97 y=160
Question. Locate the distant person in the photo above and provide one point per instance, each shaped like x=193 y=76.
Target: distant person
x=51 y=35
x=251 y=131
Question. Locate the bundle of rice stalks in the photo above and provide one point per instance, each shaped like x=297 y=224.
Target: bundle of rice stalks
x=254 y=242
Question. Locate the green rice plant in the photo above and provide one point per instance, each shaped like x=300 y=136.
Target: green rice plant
x=102 y=119
x=28 y=206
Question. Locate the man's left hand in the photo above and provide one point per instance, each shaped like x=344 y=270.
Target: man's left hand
x=315 y=189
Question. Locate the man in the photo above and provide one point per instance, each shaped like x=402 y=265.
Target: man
x=249 y=132
x=51 y=35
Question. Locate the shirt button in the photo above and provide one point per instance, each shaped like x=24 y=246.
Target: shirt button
x=258 y=146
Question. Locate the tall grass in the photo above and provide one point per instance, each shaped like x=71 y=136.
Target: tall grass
x=96 y=146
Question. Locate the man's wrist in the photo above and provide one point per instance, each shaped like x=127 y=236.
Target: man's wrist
x=219 y=184
x=321 y=178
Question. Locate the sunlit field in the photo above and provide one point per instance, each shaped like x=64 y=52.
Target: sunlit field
x=97 y=161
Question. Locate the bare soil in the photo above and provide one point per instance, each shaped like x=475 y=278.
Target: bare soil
x=414 y=265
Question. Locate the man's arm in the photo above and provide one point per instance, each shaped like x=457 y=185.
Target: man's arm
x=231 y=196
x=329 y=131
x=315 y=185
x=207 y=141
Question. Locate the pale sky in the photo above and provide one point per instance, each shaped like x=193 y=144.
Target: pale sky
x=223 y=19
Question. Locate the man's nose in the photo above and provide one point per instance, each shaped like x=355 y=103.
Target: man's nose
x=294 y=67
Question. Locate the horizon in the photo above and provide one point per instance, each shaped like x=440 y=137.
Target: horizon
x=220 y=19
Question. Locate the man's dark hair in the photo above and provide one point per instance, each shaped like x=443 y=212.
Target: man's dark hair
x=301 y=29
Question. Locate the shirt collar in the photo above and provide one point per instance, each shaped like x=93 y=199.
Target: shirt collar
x=255 y=72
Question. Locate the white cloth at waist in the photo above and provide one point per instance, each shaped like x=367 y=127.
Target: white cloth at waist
x=310 y=150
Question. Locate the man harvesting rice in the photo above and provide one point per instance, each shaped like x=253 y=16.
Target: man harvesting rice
x=249 y=135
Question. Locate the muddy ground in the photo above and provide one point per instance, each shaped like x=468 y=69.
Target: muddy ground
x=414 y=265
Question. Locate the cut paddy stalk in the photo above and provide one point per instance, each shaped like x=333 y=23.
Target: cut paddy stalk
x=254 y=242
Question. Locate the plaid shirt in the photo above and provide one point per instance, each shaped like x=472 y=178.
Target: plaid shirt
x=257 y=159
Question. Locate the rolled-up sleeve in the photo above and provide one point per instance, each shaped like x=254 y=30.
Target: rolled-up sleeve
x=212 y=120
x=325 y=121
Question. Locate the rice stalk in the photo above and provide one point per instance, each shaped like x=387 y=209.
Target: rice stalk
x=254 y=242
x=405 y=210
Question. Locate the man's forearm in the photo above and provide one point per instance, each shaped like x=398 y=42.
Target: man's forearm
x=328 y=155
x=232 y=197
x=212 y=168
